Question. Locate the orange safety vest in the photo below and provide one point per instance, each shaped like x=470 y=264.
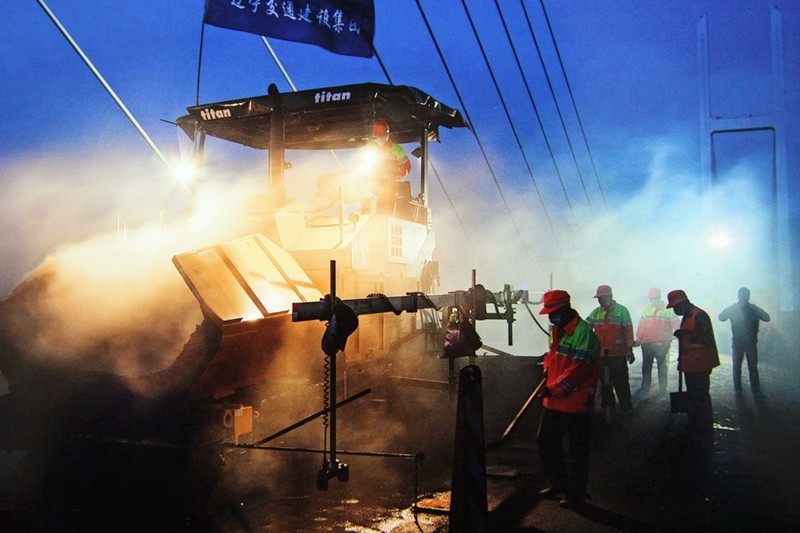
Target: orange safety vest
x=696 y=354
x=614 y=328
x=655 y=326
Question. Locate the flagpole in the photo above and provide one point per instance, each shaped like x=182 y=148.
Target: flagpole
x=199 y=63
x=380 y=62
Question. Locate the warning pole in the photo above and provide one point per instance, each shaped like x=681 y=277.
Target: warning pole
x=468 y=502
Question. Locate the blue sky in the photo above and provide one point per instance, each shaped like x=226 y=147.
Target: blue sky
x=72 y=165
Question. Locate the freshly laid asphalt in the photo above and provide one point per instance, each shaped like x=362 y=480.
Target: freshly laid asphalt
x=645 y=474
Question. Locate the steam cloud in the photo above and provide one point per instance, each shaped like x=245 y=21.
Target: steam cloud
x=106 y=232
x=104 y=243
x=657 y=237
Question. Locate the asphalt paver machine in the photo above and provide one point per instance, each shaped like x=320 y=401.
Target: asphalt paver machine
x=381 y=245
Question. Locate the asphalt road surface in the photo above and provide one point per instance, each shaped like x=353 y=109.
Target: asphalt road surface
x=645 y=475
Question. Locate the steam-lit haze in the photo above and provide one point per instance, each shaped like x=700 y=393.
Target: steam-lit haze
x=659 y=237
x=105 y=239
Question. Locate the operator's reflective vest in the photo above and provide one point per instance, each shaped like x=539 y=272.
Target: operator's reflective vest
x=655 y=326
x=394 y=157
x=614 y=328
x=572 y=367
x=697 y=350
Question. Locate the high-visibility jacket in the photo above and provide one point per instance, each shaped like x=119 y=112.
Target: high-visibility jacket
x=656 y=325
x=572 y=367
x=614 y=328
x=395 y=161
x=697 y=348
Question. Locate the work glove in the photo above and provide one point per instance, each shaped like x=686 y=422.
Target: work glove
x=631 y=357
x=545 y=392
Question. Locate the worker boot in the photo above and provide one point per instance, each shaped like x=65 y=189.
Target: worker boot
x=552 y=492
x=574 y=500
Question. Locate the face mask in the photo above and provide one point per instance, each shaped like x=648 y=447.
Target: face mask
x=556 y=318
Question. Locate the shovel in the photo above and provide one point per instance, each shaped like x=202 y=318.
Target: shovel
x=524 y=408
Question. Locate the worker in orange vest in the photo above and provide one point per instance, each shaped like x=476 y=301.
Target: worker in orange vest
x=697 y=356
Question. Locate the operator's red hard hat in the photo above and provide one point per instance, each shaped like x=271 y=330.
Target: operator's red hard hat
x=654 y=293
x=603 y=290
x=380 y=128
x=554 y=300
x=675 y=297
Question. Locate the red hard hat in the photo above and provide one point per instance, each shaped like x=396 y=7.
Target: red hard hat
x=603 y=290
x=675 y=297
x=380 y=128
x=553 y=300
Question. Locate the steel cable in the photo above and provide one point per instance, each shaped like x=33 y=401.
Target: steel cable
x=558 y=107
x=574 y=106
x=508 y=117
x=535 y=108
x=472 y=129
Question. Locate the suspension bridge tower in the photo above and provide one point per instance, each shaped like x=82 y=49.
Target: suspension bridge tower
x=768 y=130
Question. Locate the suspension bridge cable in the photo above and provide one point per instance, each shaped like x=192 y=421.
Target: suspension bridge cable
x=449 y=75
x=508 y=116
x=469 y=123
x=535 y=108
x=106 y=86
x=574 y=106
x=199 y=64
x=558 y=108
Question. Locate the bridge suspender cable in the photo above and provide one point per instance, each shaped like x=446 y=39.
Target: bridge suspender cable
x=383 y=67
x=199 y=63
x=558 y=108
x=105 y=84
x=535 y=109
x=508 y=117
x=575 y=107
x=472 y=129
x=278 y=62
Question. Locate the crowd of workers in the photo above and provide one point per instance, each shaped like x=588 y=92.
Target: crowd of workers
x=596 y=351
